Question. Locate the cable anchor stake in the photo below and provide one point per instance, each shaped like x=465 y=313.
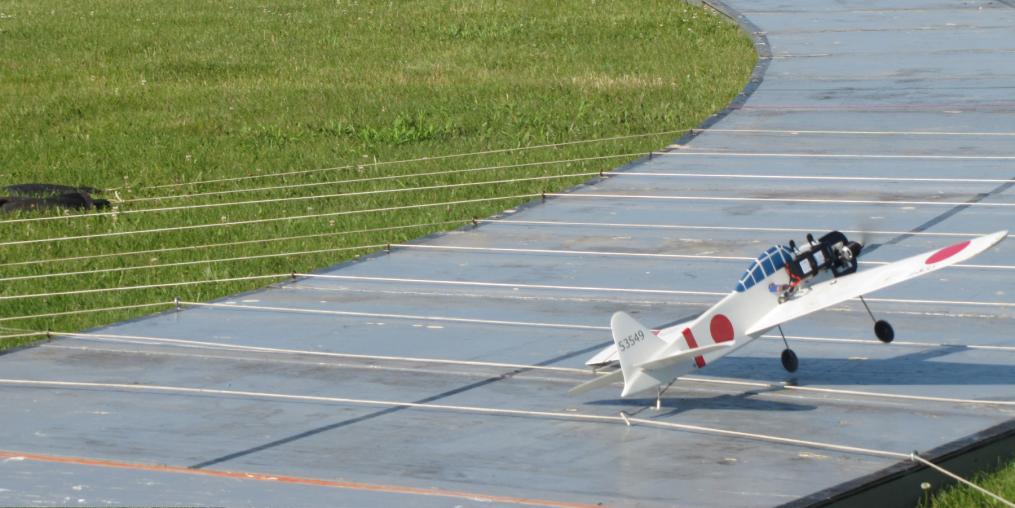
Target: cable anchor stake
x=624 y=417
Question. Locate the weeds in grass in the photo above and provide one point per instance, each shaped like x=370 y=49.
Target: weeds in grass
x=1000 y=481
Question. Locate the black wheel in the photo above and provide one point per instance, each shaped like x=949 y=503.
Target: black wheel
x=884 y=331
x=789 y=360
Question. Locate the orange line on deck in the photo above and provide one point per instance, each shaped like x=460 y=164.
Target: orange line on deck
x=239 y=475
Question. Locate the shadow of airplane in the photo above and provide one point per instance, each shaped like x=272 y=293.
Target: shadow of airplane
x=923 y=367
x=919 y=368
x=676 y=404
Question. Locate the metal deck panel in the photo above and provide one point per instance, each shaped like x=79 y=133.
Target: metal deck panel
x=433 y=448
x=889 y=217
x=802 y=167
x=881 y=21
x=841 y=7
x=410 y=341
x=54 y=484
x=917 y=42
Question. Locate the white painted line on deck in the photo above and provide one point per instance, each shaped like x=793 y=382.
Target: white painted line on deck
x=603 y=289
x=525 y=296
x=638 y=254
x=569 y=252
x=205 y=344
x=810 y=177
x=862 y=393
x=939 y=302
x=518 y=367
x=726 y=228
x=202 y=344
x=583 y=299
x=528 y=297
x=509 y=285
x=583 y=195
x=788 y=56
x=857 y=132
x=838 y=155
x=229 y=355
x=54 y=384
x=898 y=396
x=903 y=343
x=393 y=316
x=513 y=366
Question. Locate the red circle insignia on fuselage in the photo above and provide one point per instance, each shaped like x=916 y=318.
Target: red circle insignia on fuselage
x=721 y=328
x=946 y=252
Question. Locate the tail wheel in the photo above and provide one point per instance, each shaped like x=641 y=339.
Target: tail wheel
x=884 y=331
x=789 y=360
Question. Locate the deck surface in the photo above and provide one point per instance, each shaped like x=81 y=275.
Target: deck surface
x=266 y=404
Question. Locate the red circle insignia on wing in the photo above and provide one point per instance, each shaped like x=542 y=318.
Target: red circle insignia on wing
x=946 y=252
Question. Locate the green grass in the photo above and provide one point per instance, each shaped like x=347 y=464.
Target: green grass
x=1000 y=482
x=141 y=93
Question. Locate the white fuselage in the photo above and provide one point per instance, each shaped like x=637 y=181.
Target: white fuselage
x=726 y=321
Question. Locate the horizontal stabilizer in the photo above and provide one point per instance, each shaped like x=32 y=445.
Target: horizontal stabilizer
x=635 y=345
x=605 y=357
x=680 y=356
x=602 y=380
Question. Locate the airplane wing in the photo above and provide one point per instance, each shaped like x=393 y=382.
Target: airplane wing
x=844 y=288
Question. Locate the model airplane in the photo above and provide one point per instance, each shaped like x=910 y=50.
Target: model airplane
x=784 y=283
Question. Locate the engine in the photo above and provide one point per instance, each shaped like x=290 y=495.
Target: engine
x=832 y=252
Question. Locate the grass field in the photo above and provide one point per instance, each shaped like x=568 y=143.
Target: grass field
x=1000 y=482
x=152 y=98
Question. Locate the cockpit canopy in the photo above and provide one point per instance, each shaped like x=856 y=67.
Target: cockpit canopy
x=770 y=261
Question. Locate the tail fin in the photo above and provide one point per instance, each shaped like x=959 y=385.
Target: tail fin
x=636 y=345
x=647 y=361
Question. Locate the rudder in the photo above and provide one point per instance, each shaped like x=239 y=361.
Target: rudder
x=636 y=345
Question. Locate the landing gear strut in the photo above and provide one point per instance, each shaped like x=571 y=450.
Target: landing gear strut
x=882 y=329
x=659 y=395
x=789 y=359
